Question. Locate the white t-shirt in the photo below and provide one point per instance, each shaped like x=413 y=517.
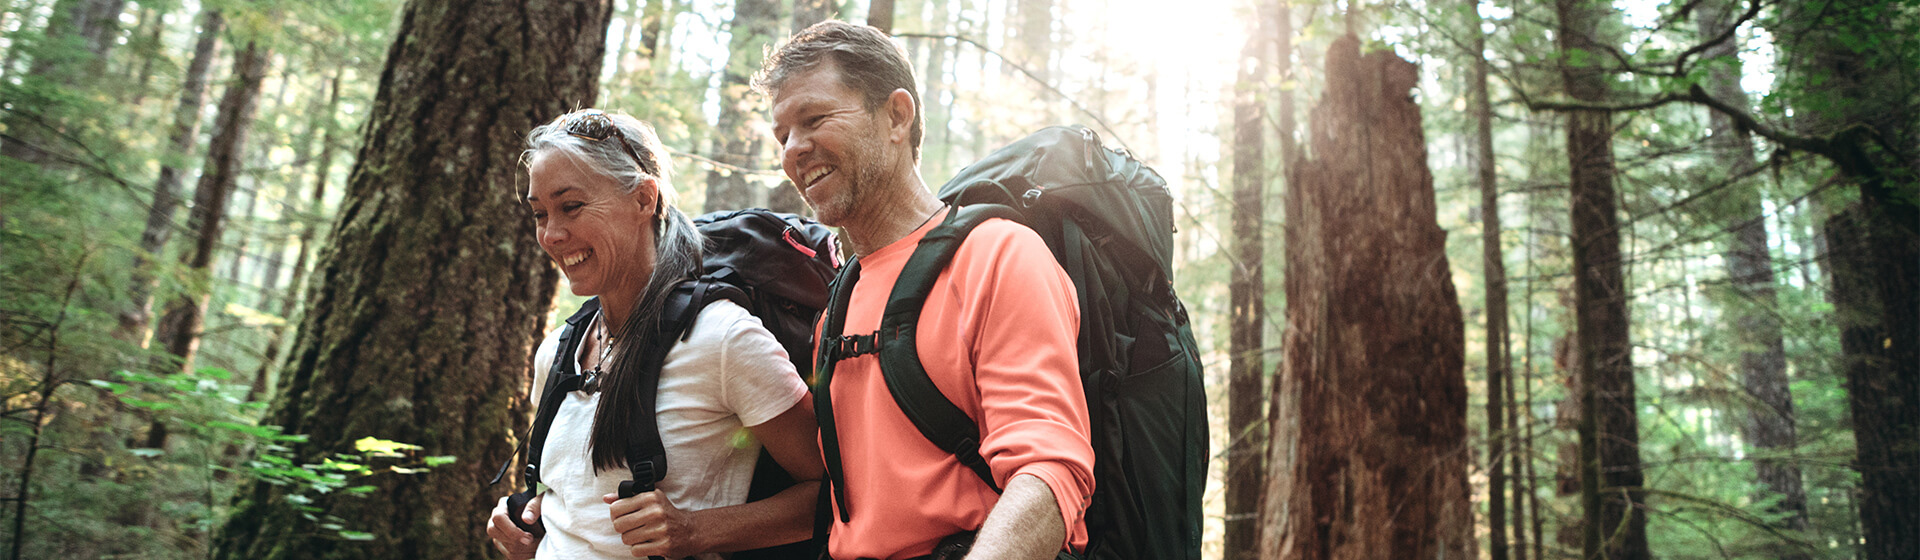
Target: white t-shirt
x=728 y=374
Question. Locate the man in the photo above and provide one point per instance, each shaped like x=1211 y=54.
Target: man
x=997 y=331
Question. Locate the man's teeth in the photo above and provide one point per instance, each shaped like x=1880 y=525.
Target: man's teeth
x=817 y=174
x=575 y=258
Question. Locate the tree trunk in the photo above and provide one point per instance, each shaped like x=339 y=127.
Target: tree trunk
x=809 y=12
x=1861 y=99
x=134 y=320
x=77 y=37
x=736 y=141
x=1369 y=450
x=880 y=15
x=1610 y=482
x=1769 y=424
x=1883 y=391
x=1494 y=273
x=428 y=304
x=179 y=327
x=1246 y=444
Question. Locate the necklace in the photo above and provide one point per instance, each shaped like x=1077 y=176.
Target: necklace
x=929 y=217
x=606 y=349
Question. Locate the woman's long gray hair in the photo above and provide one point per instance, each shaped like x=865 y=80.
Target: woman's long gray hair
x=676 y=257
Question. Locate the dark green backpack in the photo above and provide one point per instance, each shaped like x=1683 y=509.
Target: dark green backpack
x=1108 y=221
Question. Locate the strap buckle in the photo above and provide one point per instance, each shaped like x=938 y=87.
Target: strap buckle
x=848 y=346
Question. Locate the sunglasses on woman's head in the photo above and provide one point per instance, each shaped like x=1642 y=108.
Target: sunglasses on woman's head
x=597 y=126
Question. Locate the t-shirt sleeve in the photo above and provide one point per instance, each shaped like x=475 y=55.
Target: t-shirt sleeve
x=1026 y=365
x=758 y=382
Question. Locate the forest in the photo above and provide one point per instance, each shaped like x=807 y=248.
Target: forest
x=1570 y=279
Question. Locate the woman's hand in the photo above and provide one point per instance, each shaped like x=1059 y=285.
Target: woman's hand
x=650 y=525
x=517 y=544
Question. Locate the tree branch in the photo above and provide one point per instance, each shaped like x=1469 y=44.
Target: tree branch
x=1111 y=133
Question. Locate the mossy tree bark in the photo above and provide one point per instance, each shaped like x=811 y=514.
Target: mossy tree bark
x=432 y=291
x=1369 y=451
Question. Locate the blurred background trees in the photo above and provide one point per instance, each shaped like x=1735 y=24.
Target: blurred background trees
x=1682 y=238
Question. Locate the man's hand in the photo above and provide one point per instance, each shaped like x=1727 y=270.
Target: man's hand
x=650 y=525
x=515 y=543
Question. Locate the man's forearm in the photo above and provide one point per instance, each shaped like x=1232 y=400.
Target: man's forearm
x=1024 y=525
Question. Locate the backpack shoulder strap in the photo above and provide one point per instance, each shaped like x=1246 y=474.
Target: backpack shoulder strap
x=938 y=418
x=563 y=371
x=646 y=452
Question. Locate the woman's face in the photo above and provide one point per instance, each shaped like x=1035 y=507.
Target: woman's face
x=599 y=235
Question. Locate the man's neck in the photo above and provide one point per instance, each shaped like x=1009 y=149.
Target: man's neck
x=892 y=219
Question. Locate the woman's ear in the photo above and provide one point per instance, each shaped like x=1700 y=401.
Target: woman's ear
x=647 y=194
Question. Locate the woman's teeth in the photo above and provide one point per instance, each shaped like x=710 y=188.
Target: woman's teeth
x=575 y=258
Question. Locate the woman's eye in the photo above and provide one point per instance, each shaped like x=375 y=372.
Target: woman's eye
x=815 y=121
x=570 y=207
x=538 y=215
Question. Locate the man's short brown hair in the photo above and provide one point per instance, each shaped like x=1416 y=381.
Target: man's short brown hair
x=869 y=63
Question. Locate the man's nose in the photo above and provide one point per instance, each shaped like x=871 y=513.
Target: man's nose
x=797 y=145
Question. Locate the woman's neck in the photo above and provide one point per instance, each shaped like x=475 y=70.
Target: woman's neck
x=614 y=309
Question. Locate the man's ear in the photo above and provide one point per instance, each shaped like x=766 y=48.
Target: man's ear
x=900 y=112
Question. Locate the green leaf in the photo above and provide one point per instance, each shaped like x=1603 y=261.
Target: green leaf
x=117 y=388
x=382 y=448
x=438 y=460
x=356 y=535
x=147 y=452
x=343 y=466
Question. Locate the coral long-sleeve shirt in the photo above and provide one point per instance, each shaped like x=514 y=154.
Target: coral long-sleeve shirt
x=997 y=336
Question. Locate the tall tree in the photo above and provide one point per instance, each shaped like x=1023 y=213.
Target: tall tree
x=1853 y=72
x=737 y=141
x=880 y=15
x=134 y=320
x=1247 y=291
x=1611 y=489
x=1370 y=430
x=1756 y=328
x=179 y=328
x=432 y=294
x=71 y=50
x=1494 y=274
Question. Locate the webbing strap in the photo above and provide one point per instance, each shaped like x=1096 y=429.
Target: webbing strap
x=835 y=319
x=562 y=378
x=943 y=423
x=646 y=453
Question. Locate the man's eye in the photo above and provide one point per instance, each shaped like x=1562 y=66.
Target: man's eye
x=815 y=121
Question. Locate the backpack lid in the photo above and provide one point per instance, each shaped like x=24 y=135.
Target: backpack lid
x=1046 y=172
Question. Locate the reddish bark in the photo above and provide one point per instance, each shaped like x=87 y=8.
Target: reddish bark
x=1369 y=454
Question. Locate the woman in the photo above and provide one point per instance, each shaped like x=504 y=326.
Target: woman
x=603 y=206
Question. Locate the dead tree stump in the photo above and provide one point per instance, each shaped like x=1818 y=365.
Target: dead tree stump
x=1369 y=452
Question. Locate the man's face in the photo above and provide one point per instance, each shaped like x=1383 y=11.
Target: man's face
x=833 y=148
